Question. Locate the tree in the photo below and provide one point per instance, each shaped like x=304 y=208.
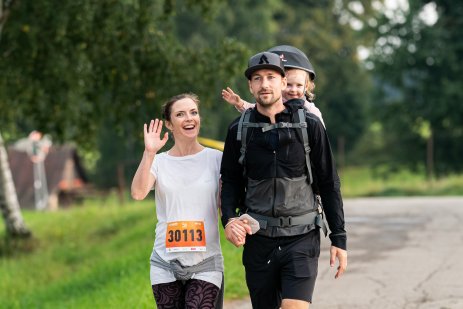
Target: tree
x=343 y=87
x=249 y=24
x=9 y=205
x=418 y=68
x=70 y=71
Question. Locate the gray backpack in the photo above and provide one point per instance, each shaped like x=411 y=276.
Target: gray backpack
x=300 y=124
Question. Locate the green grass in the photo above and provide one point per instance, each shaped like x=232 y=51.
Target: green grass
x=356 y=182
x=90 y=257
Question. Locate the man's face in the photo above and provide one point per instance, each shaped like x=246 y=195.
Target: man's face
x=266 y=86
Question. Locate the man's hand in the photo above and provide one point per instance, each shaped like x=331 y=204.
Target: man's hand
x=341 y=255
x=236 y=230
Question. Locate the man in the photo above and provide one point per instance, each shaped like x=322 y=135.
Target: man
x=267 y=171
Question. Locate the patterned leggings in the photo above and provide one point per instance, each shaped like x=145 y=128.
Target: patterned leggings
x=193 y=294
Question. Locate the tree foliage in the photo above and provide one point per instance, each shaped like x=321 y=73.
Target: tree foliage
x=67 y=70
x=94 y=71
x=419 y=76
x=79 y=69
x=322 y=30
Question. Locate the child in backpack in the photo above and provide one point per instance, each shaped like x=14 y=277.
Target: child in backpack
x=300 y=81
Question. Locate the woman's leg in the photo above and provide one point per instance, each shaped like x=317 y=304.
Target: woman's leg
x=200 y=294
x=169 y=295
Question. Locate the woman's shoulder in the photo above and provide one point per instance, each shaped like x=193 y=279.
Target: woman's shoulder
x=213 y=152
x=161 y=155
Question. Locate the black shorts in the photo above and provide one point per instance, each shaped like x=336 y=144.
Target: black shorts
x=281 y=268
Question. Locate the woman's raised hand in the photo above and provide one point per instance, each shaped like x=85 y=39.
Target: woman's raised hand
x=152 y=135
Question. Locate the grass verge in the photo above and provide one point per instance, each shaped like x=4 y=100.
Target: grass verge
x=360 y=181
x=90 y=257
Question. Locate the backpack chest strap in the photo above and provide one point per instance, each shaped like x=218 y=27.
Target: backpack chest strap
x=282 y=125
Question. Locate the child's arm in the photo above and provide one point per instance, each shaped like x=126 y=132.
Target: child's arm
x=235 y=100
x=314 y=110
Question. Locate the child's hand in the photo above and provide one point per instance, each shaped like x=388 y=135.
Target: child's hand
x=231 y=97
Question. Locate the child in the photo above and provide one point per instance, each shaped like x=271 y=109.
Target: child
x=300 y=81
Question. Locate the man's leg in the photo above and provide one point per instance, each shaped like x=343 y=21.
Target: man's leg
x=299 y=260
x=294 y=304
x=262 y=272
x=263 y=290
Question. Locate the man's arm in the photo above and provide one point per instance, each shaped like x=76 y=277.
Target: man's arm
x=324 y=168
x=232 y=176
x=329 y=185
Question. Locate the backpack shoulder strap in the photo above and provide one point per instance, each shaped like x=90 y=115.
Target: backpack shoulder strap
x=242 y=133
x=305 y=136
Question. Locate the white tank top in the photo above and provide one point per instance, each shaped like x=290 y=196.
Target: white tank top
x=186 y=189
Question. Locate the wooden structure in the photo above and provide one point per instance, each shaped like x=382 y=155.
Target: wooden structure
x=65 y=175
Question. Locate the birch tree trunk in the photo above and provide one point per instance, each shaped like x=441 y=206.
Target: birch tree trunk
x=5 y=6
x=9 y=205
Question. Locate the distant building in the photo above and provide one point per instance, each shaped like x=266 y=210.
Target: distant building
x=65 y=176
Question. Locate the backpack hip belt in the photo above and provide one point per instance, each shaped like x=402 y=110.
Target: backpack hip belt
x=314 y=217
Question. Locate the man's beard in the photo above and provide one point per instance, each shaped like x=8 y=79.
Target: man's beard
x=267 y=103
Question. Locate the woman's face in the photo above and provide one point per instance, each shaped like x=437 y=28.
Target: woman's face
x=184 y=119
x=297 y=84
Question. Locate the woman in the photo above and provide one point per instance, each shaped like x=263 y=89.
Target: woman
x=186 y=263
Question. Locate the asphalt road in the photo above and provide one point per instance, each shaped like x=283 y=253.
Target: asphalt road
x=402 y=253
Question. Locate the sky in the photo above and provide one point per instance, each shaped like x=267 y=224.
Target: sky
x=428 y=14
x=394 y=10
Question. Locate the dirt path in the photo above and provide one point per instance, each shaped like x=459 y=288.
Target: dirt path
x=403 y=253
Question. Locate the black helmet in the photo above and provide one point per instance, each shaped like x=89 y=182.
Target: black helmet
x=293 y=57
x=264 y=60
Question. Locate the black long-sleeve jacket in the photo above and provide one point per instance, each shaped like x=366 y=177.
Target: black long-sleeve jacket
x=275 y=154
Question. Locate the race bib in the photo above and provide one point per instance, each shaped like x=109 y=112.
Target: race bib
x=185 y=236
